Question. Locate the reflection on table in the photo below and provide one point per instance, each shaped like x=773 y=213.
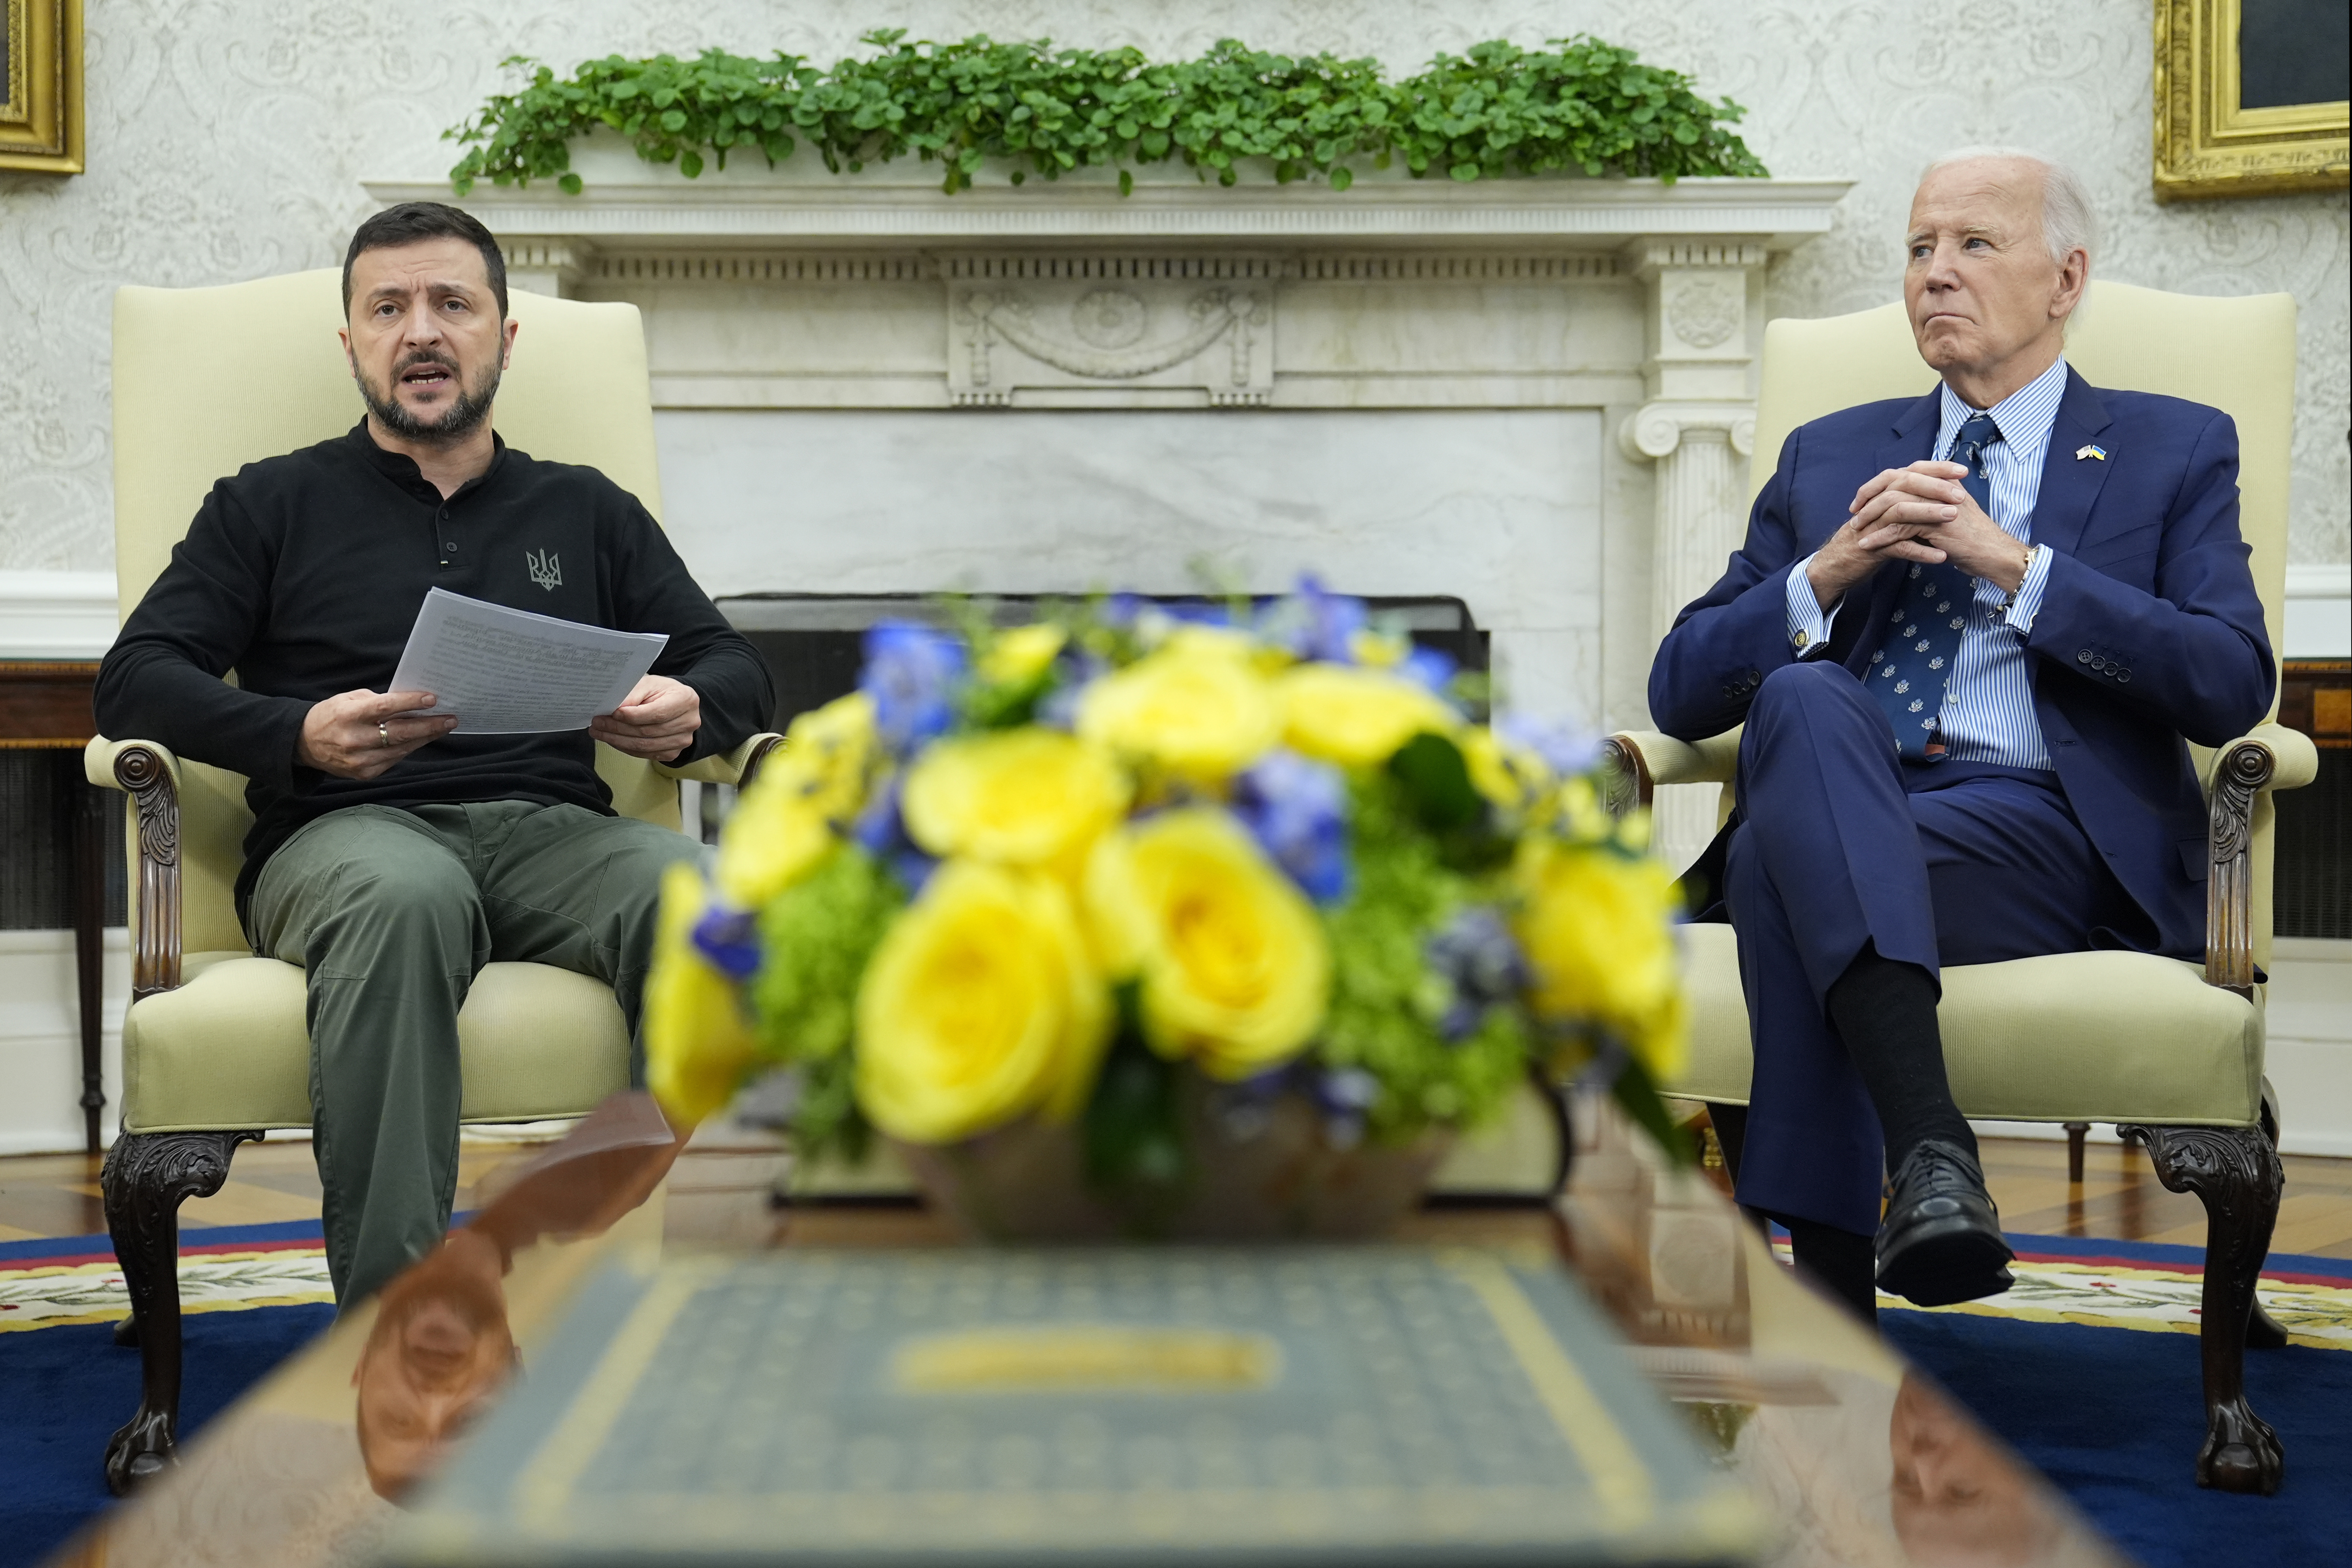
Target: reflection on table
x=1860 y=1459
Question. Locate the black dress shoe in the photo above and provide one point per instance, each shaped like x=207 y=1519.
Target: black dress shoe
x=1940 y=1241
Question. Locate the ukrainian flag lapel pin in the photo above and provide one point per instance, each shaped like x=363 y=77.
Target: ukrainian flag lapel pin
x=2083 y=452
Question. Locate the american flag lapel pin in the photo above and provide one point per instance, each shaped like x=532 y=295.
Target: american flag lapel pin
x=2093 y=451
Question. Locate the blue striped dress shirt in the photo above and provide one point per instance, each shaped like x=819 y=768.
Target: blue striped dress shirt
x=1987 y=714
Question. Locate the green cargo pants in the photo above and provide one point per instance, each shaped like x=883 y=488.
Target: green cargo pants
x=392 y=914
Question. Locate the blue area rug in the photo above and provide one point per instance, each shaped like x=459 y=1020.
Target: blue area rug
x=65 y=1388
x=2114 y=1417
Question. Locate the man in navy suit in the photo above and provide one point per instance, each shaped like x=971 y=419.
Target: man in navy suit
x=1969 y=635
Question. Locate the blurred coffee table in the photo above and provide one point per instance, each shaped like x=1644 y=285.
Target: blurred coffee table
x=1859 y=1458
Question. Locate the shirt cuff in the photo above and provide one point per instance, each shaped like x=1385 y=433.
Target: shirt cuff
x=2026 y=603
x=1809 y=624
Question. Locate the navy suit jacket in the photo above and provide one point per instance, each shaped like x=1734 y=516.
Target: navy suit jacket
x=2149 y=628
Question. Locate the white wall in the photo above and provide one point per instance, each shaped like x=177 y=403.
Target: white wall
x=40 y=1039
x=226 y=141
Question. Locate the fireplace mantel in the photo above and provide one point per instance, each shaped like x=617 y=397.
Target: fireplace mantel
x=633 y=205
x=820 y=343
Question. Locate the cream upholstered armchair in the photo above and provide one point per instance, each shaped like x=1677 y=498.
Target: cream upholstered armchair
x=215 y=1050
x=2170 y=1053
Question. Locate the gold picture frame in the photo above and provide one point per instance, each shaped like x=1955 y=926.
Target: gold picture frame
x=40 y=114
x=2207 y=142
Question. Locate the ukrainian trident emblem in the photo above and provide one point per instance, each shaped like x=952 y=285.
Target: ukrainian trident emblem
x=546 y=569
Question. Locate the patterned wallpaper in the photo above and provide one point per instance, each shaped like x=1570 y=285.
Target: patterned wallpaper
x=226 y=141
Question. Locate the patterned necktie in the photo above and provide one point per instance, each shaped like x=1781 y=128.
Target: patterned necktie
x=1912 y=669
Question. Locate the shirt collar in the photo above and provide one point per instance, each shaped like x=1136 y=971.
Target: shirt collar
x=401 y=470
x=2025 y=417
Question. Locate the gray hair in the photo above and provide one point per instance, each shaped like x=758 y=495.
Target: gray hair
x=2067 y=221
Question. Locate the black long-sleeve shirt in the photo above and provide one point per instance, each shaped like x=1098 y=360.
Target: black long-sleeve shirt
x=304 y=574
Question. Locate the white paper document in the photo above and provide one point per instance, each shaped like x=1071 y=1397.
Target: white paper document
x=510 y=672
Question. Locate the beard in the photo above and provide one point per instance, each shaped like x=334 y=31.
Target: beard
x=461 y=418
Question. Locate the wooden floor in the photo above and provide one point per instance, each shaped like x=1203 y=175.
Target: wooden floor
x=57 y=1194
x=2119 y=1198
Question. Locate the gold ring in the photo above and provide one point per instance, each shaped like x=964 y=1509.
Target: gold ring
x=381 y=729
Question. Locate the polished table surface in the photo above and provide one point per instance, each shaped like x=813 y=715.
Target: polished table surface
x=1858 y=1457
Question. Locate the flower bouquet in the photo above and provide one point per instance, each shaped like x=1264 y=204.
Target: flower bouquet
x=1136 y=922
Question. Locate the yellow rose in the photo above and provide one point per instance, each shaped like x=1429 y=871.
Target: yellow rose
x=1022 y=654
x=1197 y=705
x=1379 y=650
x=1598 y=928
x=773 y=837
x=1237 y=972
x=784 y=823
x=1357 y=718
x=826 y=755
x=1014 y=797
x=979 y=1008
x=699 y=1045
x=1514 y=777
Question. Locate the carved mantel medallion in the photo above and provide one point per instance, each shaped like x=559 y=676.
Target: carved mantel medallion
x=1169 y=326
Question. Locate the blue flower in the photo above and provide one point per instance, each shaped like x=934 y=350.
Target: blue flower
x=1565 y=748
x=1315 y=623
x=1480 y=961
x=729 y=938
x=1429 y=668
x=912 y=672
x=1074 y=671
x=1297 y=810
x=881 y=832
x=1345 y=1094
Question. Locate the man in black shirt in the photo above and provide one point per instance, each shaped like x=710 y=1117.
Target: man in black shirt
x=389 y=857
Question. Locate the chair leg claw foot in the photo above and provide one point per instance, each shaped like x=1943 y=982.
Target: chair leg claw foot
x=140 y=1450
x=2242 y=1454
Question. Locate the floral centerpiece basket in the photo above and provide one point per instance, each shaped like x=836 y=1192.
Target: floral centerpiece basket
x=1140 y=922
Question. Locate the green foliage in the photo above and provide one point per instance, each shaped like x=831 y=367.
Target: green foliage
x=1581 y=106
x=1385 y=1003
x=816 y=937
x=1132 y=1129
x=1436 y=781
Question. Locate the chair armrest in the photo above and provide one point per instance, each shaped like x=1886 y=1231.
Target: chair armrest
x=2294 y=757
x=739 y=766
x=1645 y=758
x=150 y=774
x=2270 y=757
x=99 y=757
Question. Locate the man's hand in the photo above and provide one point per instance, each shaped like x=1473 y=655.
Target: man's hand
x=1919 y=513
x=360 y=734
x=656 y=722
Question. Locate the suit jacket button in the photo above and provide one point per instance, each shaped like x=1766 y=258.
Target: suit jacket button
x=2123 y=677
x=2083 y=656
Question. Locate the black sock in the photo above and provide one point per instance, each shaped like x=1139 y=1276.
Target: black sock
x=1885 y=1013
x=1839 y=1260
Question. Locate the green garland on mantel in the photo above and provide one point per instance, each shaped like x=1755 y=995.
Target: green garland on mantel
x=1578 y=106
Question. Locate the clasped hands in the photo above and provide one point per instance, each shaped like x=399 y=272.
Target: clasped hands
x=1920 y=513
x=362 y=734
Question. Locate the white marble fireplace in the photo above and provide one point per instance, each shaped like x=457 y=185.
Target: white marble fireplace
x=1534 y=394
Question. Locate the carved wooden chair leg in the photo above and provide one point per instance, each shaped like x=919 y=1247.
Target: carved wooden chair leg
x=2262 y=1331
x=2076 y=1133
x=2236 y=1173
x=146 y=1177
